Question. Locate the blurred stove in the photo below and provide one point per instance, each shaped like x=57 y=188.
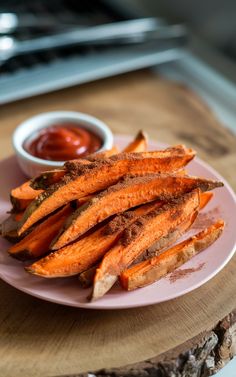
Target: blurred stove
x=37 y=73
x=209 y=70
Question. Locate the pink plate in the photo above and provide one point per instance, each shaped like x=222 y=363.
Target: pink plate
x=190 y=276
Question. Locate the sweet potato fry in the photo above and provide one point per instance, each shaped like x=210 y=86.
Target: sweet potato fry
x=18 y=216
x=74 y=165
x=85 y=199
x=176 y=233
x=86 y=278
x=36 y=243
x=164 y=242
x=139 y=144
x=8 y=228
x=101 y=174
x=182 y=172
x=47 y=178
x=83 y=254
x=205 y=197
x=22 y=196
x=139 y=236
x=128 y=193
x=155 y=268
x=102 y=155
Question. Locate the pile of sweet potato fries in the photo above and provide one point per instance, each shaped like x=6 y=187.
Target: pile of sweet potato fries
x=111 y=216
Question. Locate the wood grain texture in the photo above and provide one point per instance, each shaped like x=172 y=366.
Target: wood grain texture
x=202 y=356
x=39 y=338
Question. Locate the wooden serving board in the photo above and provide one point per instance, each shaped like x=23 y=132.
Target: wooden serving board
x=43 y=339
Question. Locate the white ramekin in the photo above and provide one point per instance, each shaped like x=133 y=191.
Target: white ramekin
x=31 y=165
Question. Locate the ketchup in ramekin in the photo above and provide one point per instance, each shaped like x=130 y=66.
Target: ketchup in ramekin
x=62 y=142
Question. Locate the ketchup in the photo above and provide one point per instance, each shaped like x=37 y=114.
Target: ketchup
x=62 y=142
